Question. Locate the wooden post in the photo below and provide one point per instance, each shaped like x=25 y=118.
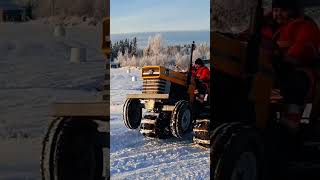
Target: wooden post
x=52 y=7
x=59 y=31
x=78 y=55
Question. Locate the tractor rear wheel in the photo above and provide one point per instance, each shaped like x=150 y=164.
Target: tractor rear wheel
x=132 y=113
x=201 y=130
x=236 y=153
x=181 y=119
x=70 y=152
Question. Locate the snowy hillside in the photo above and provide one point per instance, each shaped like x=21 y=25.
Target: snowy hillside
x=136 y=157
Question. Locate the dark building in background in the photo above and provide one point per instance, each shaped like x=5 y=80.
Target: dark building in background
x=10 y=12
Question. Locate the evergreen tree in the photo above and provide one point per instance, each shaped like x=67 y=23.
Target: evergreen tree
x=121 y=47
x=134 y=46
x=130 y=48
x=126 y=44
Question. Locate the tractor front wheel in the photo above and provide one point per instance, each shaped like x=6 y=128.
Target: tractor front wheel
x=181 y=119
x=236 y=153
x=70 y=152
x=132 y=113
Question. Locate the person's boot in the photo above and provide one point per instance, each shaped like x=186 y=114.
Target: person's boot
x=200 y=98
x=291 y=117
x=290 y=121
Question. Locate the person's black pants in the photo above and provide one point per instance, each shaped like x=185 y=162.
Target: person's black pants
x=201 y=87
x=293 y=84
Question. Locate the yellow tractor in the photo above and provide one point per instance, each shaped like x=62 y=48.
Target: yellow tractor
x=169 y=100
x=77 y=141
x=247 y=140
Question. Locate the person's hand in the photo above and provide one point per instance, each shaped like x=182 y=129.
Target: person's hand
x=194 y=67
x=269 y=44
x=196 y=79
x=284 y=44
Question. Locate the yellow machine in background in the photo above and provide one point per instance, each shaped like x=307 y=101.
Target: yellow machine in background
x=78 y=136
x=105 y=46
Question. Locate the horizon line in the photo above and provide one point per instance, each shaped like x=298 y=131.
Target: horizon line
x=161 y=31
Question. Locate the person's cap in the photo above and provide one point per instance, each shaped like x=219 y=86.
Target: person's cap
x=199 y=61
x=286 y=4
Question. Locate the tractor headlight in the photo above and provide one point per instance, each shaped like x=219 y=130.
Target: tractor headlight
x=151 y=71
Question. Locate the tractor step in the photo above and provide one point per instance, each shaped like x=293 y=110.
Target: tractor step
x=146 y=131
x=148 y=121
x=201 y=142
x=203 y=120
x=151 y=114
x=200 y=130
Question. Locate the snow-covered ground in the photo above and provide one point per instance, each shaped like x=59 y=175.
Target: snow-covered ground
x=136 y=157
x=34 y=72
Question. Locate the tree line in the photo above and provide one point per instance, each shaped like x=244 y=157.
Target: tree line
x=124 y=45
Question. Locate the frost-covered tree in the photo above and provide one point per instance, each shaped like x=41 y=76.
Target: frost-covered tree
x=176 y=57
x=182 y=61
x=201 y=51
x=133 y=61
x=155 y=45
x=121 y=59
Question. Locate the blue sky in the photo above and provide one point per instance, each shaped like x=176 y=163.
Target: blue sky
x=129 y=16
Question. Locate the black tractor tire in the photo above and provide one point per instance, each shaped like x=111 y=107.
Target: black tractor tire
x=236 y=153
x=156 y=125
x=69 y=151
x=181 y=119
x=132 y=113
x=202 y=132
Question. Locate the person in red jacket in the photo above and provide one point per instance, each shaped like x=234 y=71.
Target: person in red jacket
x=202 y=76
x=298 y=41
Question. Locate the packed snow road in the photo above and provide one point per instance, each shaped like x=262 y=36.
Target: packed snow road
x=136 y=157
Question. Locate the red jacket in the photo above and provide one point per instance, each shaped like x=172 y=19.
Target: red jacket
x=268 y=27
x=300 y=40
x=202 y=73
